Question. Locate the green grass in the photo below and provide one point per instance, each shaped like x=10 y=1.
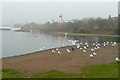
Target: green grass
x=11 y=73
x=0 y=74
x=85 y=34
x=92 y=71
x=53 y=74
x=101 y=71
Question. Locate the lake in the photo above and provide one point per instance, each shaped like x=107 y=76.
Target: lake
x=18 y=43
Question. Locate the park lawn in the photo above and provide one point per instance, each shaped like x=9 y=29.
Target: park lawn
x=0 y=76
x=92 y=71
x=11 y=73
x=101 y=71
x=109 y=70
x=53 y=74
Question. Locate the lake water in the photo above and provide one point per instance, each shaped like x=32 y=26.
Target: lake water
x=17 y=43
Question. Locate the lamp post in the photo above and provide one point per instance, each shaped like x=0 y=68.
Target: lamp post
x=61 y=20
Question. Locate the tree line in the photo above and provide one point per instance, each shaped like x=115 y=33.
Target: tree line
x=87 y=25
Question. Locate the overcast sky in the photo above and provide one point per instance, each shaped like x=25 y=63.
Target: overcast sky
x=41 y=12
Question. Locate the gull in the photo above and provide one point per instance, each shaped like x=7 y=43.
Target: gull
x=81 y=48
x=91 y=55
x=93 y=44
x=117 y=59
x=98 y=44
x=78 y=45
x=63 y=45
x=59 y=52
x=104 y=44
x=53 y=51
x=98 y=47
x=68 y=50
x=95 y=48
x=69 y=40
x=107 y=43
x=65 y=34
x=85 y=47
x=114 y=43
x=111 y=42
x=28 y=77
x=86 y=43
x=41 y=49
x=73 y=43
x=57 y=49
x=84 y=51
x=94 y=53
x=92 y=49
x=75 y=40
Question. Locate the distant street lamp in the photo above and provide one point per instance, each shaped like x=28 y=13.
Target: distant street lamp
x=53 y=21
x=61 y=20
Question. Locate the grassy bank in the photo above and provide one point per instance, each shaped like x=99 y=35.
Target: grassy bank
x=11 y=73
x=85 y=34
x=77 y=34
x=101 y=70
x=92 y=71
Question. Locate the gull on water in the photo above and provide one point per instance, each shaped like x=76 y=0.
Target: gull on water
x=41 y=49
